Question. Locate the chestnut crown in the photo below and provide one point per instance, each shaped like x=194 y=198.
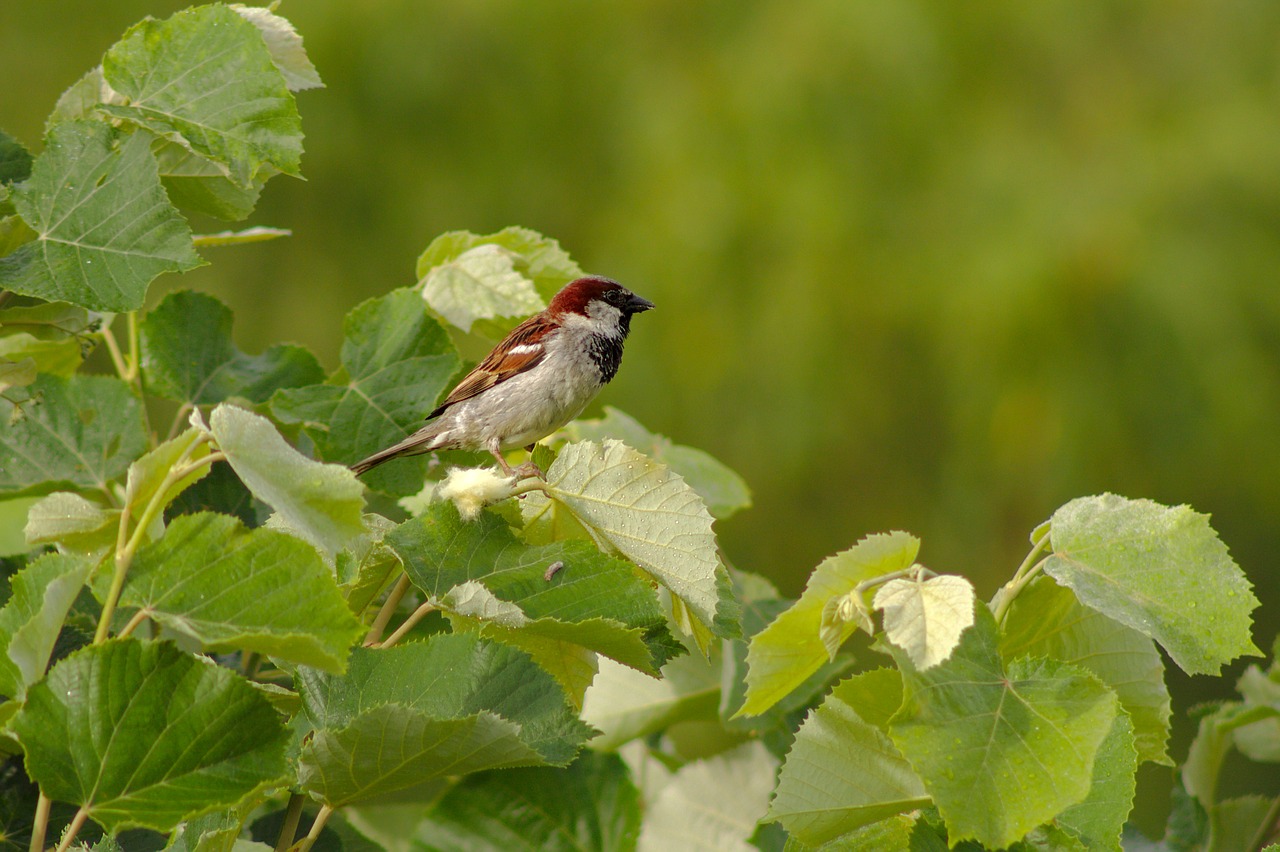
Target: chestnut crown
x=578 y=294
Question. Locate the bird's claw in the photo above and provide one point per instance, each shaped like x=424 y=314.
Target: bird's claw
x=526 y=470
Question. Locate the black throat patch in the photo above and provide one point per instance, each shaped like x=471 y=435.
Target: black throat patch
x=606 y=354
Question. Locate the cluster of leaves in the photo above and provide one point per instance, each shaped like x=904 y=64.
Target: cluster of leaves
x=212 y=625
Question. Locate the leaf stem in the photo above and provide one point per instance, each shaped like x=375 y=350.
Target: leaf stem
x=914 y=570
x=72 y=830
x=1026 y=572
x=125 y=554
x=414 y=617
x=184 y=411
x=117 y=357
x=289 y=830
x=394 y=597
x=1267 y=828
x=322 y=817
x=40 y=824
x=138 y=617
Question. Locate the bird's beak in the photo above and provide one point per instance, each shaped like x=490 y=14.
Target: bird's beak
x=636 y=304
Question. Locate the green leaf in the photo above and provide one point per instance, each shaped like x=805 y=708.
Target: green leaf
x=590 y=804
x=41 y=596
x=788 y=651
x=15 y=160
x=13 y=520
x=367 y=563
x=1046 y=620
x=640 y=509
x=1100 y=818
x=17 y=374
x=1001 y=750
x=79 y=525
x=199 y=184
x=843 y=772
x=188 y=356
x=105 y=226
x=591 y=600
x=540 y=259
x=140 y=734
x=55 y=335
x=227 y=587
x=396 y=362
x=450 y=705
x=79 y=432
x=926 y=617
x=1259 y=741
x=322 y=503
x=236 y=111
x=723 y=490
x=1162 y=571
x=626 y=704
x=711 y=804
x=285 y=46
x=480 y=283
x=148 y=475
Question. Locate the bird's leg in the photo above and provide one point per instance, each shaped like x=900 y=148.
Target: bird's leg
x=524 y=471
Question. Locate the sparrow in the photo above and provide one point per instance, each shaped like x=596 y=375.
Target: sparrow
x=541 y=376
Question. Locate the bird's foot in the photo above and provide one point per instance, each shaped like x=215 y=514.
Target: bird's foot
x=525 y=471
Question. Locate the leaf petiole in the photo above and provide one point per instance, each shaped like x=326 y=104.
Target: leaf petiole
x=1026 y=572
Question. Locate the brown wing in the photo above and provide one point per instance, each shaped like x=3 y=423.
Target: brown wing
x=502 y=363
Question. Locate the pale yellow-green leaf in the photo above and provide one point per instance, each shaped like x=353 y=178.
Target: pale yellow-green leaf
x=640 y=509
x=72 y=521
x=926 y=617
x=711 y=804
x=480 y=283
x=791 y=648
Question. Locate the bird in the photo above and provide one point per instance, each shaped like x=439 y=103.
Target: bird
x=541 y=376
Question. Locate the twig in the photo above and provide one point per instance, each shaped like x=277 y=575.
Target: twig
x=414 y=617
x=394 y=597
x=289 y=830
x=41 y=824
x=322 y=817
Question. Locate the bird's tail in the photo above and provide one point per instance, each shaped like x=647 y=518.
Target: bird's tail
x=416 y=444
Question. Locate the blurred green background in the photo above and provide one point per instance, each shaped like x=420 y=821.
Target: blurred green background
x=934 y=267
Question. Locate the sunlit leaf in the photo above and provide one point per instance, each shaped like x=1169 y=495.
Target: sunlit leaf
x=711 y=804
x=926 y=617
x=638 y=508
x=1020 y=740
x=723 y=490
x=1046 y=620
x=788 y=651
x=285 y=46
x=1148 y=566
x=323 y=503
x=625 y=704
x=843 y=772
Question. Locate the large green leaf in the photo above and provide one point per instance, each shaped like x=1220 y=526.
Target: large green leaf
x=41 y=595
x=405 y=716
x=1100 y=818
x=640 y=509
x=141 y=734
x=592 y=600
x=843 y=772
x=626 y=704
x=187 y=355
x=105 y=226
x=1162 y=571
x=235 y=108
x=590 y=804
x=1000 y=750
x=396 y=362
x=228 y=587
x=56 y=336
x=78 y=432
x=1046 y=620
x=322 y=503
x=788 y=651
x=723 y=490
